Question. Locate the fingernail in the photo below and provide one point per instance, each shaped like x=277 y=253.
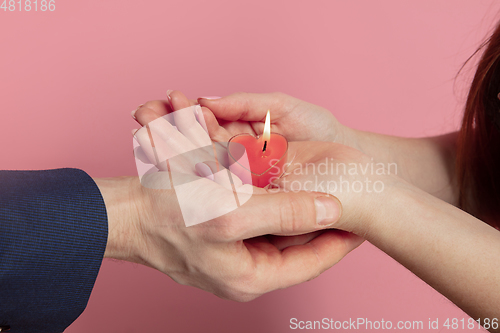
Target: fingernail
x=200 y=117
x=204 y=170
x=134 y=131
x=210 y=98
x=170 y=99
x=328 y=210
x=133 y=112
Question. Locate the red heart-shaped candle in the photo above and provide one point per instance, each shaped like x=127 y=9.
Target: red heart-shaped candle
x=254 y=165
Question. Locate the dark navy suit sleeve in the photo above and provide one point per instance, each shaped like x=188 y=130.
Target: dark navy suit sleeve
x=53 y=233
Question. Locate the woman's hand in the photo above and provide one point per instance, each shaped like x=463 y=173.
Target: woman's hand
x=295 y=119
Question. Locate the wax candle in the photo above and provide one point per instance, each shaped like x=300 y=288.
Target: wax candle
x=258 y=160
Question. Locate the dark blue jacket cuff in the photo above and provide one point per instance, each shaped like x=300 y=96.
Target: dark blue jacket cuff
x=53 y=229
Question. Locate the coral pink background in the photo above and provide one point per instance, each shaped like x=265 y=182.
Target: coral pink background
x=70 y=78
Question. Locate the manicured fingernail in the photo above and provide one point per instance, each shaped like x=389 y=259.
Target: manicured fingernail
x=199 y=116
x=170 y=99
x=204 y=170
x=134 y=131
x=210 y=98
x=328 y=210
x=133 y=112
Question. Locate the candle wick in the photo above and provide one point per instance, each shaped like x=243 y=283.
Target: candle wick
x=265 y=146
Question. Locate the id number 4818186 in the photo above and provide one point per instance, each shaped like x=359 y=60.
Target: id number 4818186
x=28 y=5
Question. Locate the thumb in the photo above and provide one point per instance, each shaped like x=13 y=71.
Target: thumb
x=285 y=214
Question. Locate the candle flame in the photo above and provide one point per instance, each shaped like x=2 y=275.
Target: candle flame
x=266 y=136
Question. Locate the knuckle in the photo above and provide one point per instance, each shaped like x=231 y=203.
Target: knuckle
x=177 y=96
x=293 y=214
x=228 y=228
x=153 y=105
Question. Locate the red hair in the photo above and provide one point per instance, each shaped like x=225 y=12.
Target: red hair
x=478 y=146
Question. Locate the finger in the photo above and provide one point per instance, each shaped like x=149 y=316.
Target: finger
x=218 y=134
x=187 y=124
x=169 y=134
x=151 y=110
x=178 y=100
x=302 y=263
x=141 y=155
x=161 y=142
x=155 y=149
x=201 y=118
x=284 y=214
x=215 y=131
x=135 y=110
x=248 y=106
x=216 y=172
x=282 y=242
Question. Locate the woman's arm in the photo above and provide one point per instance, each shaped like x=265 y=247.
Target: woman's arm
x=452 y=251
x=427 y=163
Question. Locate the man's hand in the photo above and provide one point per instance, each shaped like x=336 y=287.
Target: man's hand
x=227 y=256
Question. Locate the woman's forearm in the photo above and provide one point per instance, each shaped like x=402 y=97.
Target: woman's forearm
x=427 y=163
x=452 y=251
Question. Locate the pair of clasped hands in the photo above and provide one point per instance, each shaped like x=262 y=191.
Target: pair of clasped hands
x=277 y=238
